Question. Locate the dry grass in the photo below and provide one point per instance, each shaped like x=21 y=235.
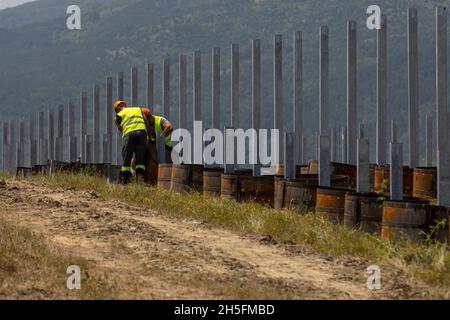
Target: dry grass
x=32 y=268
x=429 y=263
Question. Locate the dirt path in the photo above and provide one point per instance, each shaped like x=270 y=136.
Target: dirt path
x=147 y=255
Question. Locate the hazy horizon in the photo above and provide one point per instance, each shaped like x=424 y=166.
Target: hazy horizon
x=4 y=4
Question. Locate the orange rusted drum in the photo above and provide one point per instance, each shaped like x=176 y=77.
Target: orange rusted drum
x=351 y=210
x=338 y=169
x=382 y=174
x=164 y=176
x=229 y=186
x=298 y=194
x=185 y=178
x=258 y=189
x=345 y=170
x=330 y=203
x=59 y=167
x=211 y=182
x=363 y=210
x=243 y=188
x=405 y=219
x=40 y=170
x=279 y=170
x=424 y=185
x=304 y=170
x=23 y=172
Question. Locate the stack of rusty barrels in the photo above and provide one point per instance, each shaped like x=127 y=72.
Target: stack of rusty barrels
x=413 y=218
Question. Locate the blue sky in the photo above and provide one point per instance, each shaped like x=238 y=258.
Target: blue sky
x=12 y=3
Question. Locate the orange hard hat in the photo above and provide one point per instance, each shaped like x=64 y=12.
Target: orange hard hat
x=147 y=111
x=119 y=105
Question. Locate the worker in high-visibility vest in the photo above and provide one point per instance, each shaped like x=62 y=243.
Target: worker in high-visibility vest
x=158 y=125
x=133 y=125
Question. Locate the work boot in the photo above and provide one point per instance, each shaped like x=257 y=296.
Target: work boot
x=140 y=176
x=125 y=177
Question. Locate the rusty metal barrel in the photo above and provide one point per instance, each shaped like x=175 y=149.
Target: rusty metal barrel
x=382 y=174
x=40 y=170
x=23 y=172
x=300 y=194
x=345 y=170
x=405 y=219
x=351 y=210
x=59 y=167
x=243 y=188
x=164 y=175
x=279 y=170
x=185 y=178
x=330 y=203
x=211 y=182
x=424 y=185
x=363 y=210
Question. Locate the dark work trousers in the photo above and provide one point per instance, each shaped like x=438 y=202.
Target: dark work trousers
x=134 y=143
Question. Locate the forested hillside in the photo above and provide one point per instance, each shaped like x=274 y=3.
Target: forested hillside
x=43 y=63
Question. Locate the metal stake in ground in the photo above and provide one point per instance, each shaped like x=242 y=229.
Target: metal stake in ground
x=41 y=134
x=381 y=92
x=289 y=156
x=51 y=134
x=83 y=125
x=215 y=88
x=182 y=96
x=396 y=171
x=344 y=155
x=429 y=141
x=96 y=126
x=71 y=129
x=324 y=161
x=60 y=133
x=363 y=156
x=256 y=99
x=21 y=145
x=413 y=88
x=443 y=170
x=351 y=92
x=278 y=86
x=33 y=147
x=134 y=87
x=197 y=95
x=229 y=159
x=107 y=153
x=298 y=102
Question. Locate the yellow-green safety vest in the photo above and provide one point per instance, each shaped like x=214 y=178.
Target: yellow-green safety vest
x=132 y=120
x=159 y=129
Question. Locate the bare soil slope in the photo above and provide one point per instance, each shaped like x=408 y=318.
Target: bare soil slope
x=145 y=255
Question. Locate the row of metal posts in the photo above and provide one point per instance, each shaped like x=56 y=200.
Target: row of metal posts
x=353 y=148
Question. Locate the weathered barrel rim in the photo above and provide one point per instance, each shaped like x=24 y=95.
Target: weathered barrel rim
x=332 y=190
